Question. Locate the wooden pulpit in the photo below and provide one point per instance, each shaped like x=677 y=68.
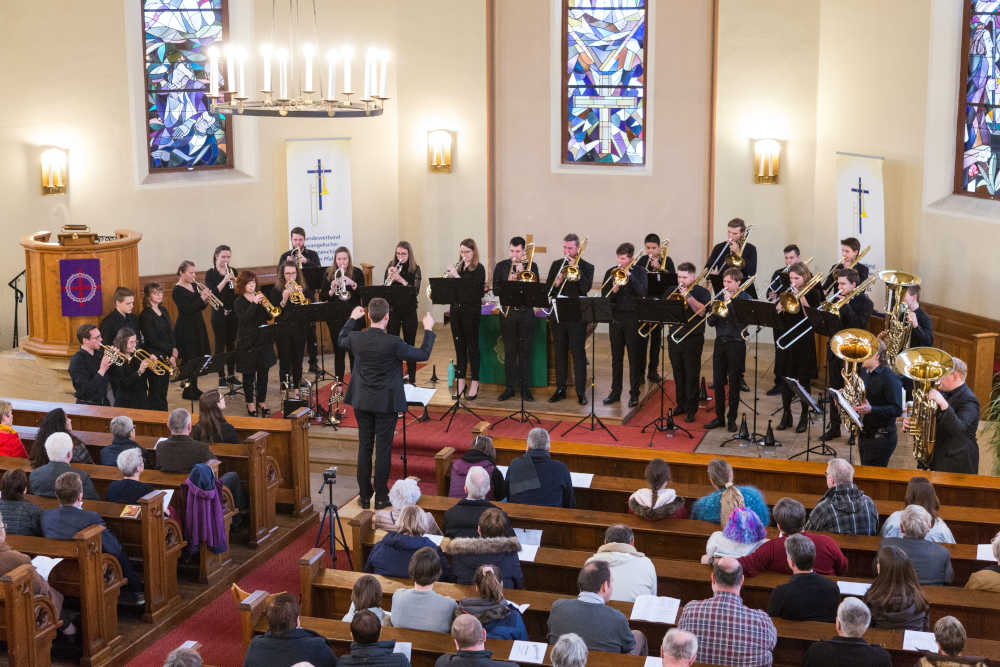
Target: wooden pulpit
x=50 y=333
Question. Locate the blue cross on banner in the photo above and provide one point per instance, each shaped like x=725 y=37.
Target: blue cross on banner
x=319 y=171
x=861 y=205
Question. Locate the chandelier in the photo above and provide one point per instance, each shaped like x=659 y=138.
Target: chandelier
x=284 y=93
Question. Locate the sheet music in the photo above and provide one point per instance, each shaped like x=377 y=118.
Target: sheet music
x=522 y=607
x=653 y=661
x=852 y=414
x=858 y=588
x=191 y=643
x=436 y=539
x=522 y=651
x=167 y=495
x=422 y=395
x=503 y=471
x=985 y=552
x=44 y=564
x=655 y=609
x=406 y=648
x=528 y=552
x=528 y=536
x=582 y=480
x=914 y=640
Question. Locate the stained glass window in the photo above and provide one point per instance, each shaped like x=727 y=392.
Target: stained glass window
x=604 y=77
x=181 y=130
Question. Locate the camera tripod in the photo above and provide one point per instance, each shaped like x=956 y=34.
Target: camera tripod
x=331 y=512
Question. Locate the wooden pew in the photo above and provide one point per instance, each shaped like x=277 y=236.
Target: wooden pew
x=28 y=622
x=610 y=494
x=92 y=576
x=287 y=442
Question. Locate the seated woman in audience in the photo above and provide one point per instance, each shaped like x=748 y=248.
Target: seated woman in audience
x=212 y=425
x=57 y=421
x=482 y=454
x=10 y=441
x=420 y=607
x=391 y=555
x=920 y=491
x=123 y=437
x=404 y=493
x=367 y=594
x=129 y=489
x=949 y=633
x=493 y=546
x=500 y=619
x=657 y=501
x=11 y=559
x=895 y=598
x=718 y=505
x=742 y=535
x=22 y=516
x=988 y=579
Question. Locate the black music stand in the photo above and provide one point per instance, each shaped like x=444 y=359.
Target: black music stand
x=852 y=416
x=659 y=288
x=446 y=291
x=824 y=324
x=312 y=276
x=301 y=318
x=192 y=369
x=517 y=294
x=757 y=314
x=589 y=309
x=665 y=312
x=807 y=400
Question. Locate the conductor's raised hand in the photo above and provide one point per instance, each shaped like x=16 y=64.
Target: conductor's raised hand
x=428 y=321
x=357 y=313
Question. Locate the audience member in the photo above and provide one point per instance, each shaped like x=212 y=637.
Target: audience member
x=366 y=649
x=988 y=579
x=718 y=505
x=391 y=555
x=807 y=596
x=500 y=618
x=59 y=452
x=931 y=560
x=10 y=559
x=462 y=519
x=122 y=438
x=790 y=517
x=470 y=642
x=920 y=491
x=286 y=642
x=57 y=421
x=895 y=599
x=10 y=441
x=180 y=453
x=405 y=492
x=420 y=608
x=632 y=573
x=679 y=648
x=212 y=425
x=183 y=656
x=844 y=508
x=848 y=648
x=21 y=516
x=601 y=627
x=482 y=454
x=569 y=651
x=657 y=501
x=729 y=632
x=367 y=594
x=742 y=534
x=129 y=488
x=492 y=546
x=199 y=504
x=950 y=637
x=537 y=479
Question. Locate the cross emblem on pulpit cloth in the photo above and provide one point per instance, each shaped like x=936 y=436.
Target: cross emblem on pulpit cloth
x=319 y=171
x=861 y=204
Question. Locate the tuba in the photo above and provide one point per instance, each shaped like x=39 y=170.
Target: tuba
x=925 y=366
x=897 y=315
x=333 y=416
x=853 y=346
x=736 y=261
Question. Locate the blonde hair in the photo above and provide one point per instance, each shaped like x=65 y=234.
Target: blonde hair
x=720 y=473
x=410 y=521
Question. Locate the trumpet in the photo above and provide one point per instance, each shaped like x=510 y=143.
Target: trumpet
x=297 y=296
x=297 y=254
x=155 y=364
x=736 y=260
x=212 y=300
x=619 y=277
x=833 y=306
x=230 y=274
x=391 y=272
x=340 y=286
x=333 y=416
x=459 y=265
x=118 y=358
x=271 y=309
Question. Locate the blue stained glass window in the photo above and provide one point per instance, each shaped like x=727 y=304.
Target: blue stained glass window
x=604 y=96
x=182 y=131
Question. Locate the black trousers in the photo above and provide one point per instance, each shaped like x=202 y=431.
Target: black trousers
x=517 y=330
x=291 y=349
x=339 y=352
x=375 y=431
x=311 y=343
x=624 y=335
x=407 y=322
x=255 y=385
x=685 y=360
x=224 y=328
x=653 y=344
x=156 y=386
x=465 y=333
x=876 y=448
x=834 y=366
x=571 y=339
x=728 y=362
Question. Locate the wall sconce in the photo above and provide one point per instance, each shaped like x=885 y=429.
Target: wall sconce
x=53 y=171
x=766 y=160
x=439 y=146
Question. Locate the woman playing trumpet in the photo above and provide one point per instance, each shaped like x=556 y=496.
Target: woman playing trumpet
x=342 y=279
x=403 y=271
x=799 y=359
x=158 y=339
x=255 y=354
x=128 y=381
x=189 y=330
x=291 y=339
x=221 y=280
x=465 y=317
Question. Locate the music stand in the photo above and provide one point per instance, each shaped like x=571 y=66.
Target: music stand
x=312 y=276
x=194 y=368
x=589 y=309
x=517 y=294
x=824 y=324
x=852 y=416
x=299 y=318
x=758 y=314
x=415 y=396
x=657 y=289
x=807 y=400
x=446 y=291
x=665 y=312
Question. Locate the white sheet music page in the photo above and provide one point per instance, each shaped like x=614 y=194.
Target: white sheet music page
x=655 y=609
x=582 y=480
x=914 y=640
x=984 y=552
x=406 y=648
x=853 y=587
x=422 y=395
x=528 y=536
x=533 y=652
x=44 y=564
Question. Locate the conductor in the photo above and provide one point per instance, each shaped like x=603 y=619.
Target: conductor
x=376 y=391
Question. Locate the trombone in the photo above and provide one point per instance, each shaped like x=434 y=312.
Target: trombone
x=678 y=294
x=571 y=269
x=619 y=277
x=664 y=250
x=833 y=268
x=735 y=260
x=212 y=300
x=789 y=300
x=154 y=363
x=836 y=302
x=524 y=276
x=783 y=272
x=719 y=306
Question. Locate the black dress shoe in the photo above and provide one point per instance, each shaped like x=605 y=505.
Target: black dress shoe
x=633 y=401
x=786 y=421
x=715 y=423
x=471 y=397
x=612 y=398
x=744 y=386
x=559 y=395
x=803 y=423
x=382 y=503
x=264 y=412
x=364 y=502
x=191 y=394
x=773 y=391
x=689 y=417
x=526 y=395
x=505 y=394
x=252 y=413
x=830 y=434
x=581 y=399
x=731 y=426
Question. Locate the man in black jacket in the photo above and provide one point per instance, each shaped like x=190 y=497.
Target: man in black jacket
x=848 y=649
x=285 y=643
x=88 y=369
x=685 y=356
x=299 y=253
x=853 y=315
x=728 y=357
x=624 y=328
x=660 y=277
x=470 y=642
x=518 y=325
x=883 y=404
x=121 y=316
x=536 y=479
x=570 y=337
x=376 y=391
x=462 y=519
x=366 y=649
x=955 y=445
x=807 y=596
x=931 y=561
x=722 y=251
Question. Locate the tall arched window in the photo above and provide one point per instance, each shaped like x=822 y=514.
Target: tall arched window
x=977 y=168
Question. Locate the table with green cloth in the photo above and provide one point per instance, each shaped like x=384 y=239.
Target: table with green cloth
x=491 y=354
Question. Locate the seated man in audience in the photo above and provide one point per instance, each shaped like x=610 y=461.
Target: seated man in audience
x=123 y=437
x=988 y=579
x=129 y=489
x=679 y=648
x=601 y=627
x=949 y=633
x=420 y=608
x=844 y=508
x=790 y=516
x=285 y=642
x=183 y=657
x=848 y=647
x=569 y=651
x=70 y=518
x=462 y=520
x=470 y=642
x=59 y=448
x=366 y=649
x=729 y=632
x=807 y=596
x=931 y=560
x=632 y=573
x=536 y=479
x=10 y=441
x=10 y=559
x=21 y=516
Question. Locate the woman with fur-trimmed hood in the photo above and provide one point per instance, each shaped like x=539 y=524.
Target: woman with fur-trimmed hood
x=657 y=502
x=491 y=547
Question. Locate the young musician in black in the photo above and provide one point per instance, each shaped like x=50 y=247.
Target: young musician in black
x=518 y=325
x=121 y=316
x=957 y=415
x=853 y=315
x=403 y=271
x=341 y=283
x=850 y=248
x=883 y=404
x=570 y=337
x=657 y=273
x=624 y=328
x=254 y=351
x=128 y=381
x=290 y=333
x=722 y=251
x=190 y=333
x=729 y=357
x=779 y=283
x=922 y=333
x=685 y=356
x=304 y=258
x=158 y=339
x=221 y=279
x=465 y=317
x=799 y=359
x=89 y=367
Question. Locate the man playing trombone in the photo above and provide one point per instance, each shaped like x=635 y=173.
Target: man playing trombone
x=659 y=267
x=88 y=369
x=795 y=351
x=623 y=283
x=685 y=355
x=850 y=258
x=729 y=356
x=779 y=283
x=518 y=325
x=302 y=257
x=736 y=252
x=570 y=337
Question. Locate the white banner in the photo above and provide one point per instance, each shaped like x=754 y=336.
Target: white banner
x=860 y=205
x=319 y=193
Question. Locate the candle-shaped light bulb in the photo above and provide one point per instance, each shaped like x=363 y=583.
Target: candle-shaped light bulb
x=213 y=71
x=331 y=75
x=283 y=74
x=267 y=52
x=230 y=53
x=348 y=55
x=242 y=60
x=308 y=50
x=384 y=60
x=369 y=61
